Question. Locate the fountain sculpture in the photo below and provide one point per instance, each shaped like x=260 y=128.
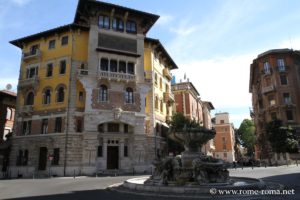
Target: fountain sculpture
x=193 y=168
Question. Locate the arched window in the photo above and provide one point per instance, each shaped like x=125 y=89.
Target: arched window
x=161 y=106
x=29 y=99
x=103 y=93
x=129 y=95
x=60 y=94
x=156 y=103
x=47 y=96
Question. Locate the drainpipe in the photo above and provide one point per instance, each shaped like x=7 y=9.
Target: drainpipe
x=68 y=106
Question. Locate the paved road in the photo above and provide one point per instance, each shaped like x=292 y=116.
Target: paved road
x=94 y=188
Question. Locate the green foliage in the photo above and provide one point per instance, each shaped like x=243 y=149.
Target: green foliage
x=281 y=138
x=179 y=122
x=246 y=135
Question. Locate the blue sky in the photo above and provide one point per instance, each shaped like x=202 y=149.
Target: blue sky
x=212 y=41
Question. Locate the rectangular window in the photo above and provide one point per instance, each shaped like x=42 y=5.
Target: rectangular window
x=31 y=72
x=51 y=44
x=64 y=40
x=221 y=121
x=130 y=27
x=286 y=98
x=58 y=124
x=26 y=129
x=79 y=126
x=118 y=24
x=125 y=128
x=62 y=67
x=113 y=66
x=122 y=67
x=289 y=115
x=225 y=155
x=112 y=127
x=283 y=80
x=267 y=68
x=55 y=160
x=19 y=158
x=280 y=65
x=49 y=70
x=104 y=64
x=44 y=126
x=104 y=21
x=34 y=48
x=130 y=68
x=100 y=151
x=125 y=151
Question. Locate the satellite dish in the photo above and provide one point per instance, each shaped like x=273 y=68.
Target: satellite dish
x=8 y=86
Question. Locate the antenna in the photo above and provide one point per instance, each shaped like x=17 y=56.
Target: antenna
x=8 y=86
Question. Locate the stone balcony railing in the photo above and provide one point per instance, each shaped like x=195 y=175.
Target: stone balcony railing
x=168 y=97
x=267 y=89
x=30 y=82
x=27 y=109
x=116 y=76
x=82 y=72
x=31 y=55
x=167 y=73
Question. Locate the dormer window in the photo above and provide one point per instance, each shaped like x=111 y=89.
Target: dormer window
x=104 y=21
x=118 y=24
x=130 y=27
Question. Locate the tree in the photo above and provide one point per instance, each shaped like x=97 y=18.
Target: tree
x=281 y=137
x=246 y=134
x=178 y=123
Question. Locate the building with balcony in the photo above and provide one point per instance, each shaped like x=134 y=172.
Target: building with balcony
x=87 y=95
x=7 y=116
x=225 y=138
x=275 y=87
x=187 y=101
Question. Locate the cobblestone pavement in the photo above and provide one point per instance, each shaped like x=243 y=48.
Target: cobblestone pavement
x=95 y=188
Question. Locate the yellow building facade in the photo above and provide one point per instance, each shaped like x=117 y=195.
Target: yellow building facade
x=93 y=96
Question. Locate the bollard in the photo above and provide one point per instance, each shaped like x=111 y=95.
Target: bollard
x=74 y=174
x=133 y=171
x=252 y=165
x=297 y=162
x=265 y=164
x=287 y=163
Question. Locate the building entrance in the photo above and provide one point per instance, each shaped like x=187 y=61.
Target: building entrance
x=112 y=157
x=43 y=158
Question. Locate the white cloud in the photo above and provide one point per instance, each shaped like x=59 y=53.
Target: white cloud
x=223 y=81
x=164 y=19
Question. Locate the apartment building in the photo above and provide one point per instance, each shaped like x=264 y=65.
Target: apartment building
x=87 y=94
x=224 y=139
x=7 y=115
x=188 y=101
x=275 y=87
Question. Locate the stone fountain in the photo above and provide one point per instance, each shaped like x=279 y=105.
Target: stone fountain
x=191 y=175
x=193 y=168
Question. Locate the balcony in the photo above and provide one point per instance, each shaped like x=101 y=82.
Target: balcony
x=167 y=73
x=168 y=97
x=30 y=82
x=116 y=76
x=31 y=55
x=27 y=109
x=82 y=72
x=267 y=89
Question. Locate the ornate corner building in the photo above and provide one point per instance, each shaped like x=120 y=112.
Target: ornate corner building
x=93 y=95
x=275 y=88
